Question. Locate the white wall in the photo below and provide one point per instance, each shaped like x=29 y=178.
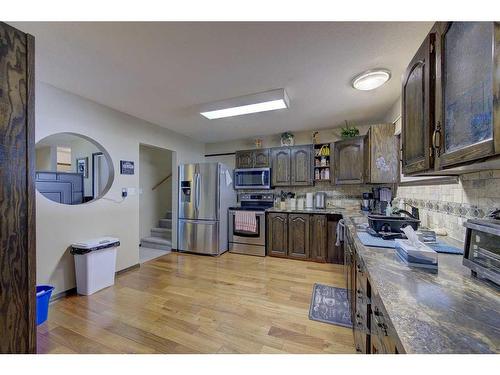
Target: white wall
x=45 y=158
x=155 y=164
x=60 y=225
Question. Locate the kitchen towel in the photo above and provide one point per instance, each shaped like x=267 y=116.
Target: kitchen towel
x=340 y=232
x=245 y=221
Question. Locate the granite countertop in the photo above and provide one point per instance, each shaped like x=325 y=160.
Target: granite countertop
x=324 y=211
x=443 y=312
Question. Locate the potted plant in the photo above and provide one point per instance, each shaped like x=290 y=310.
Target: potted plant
x=349 y=131
x=287 y=139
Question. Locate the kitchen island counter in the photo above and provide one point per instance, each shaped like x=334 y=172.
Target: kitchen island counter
x=444 y=312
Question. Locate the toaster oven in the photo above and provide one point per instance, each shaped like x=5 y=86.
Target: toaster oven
x=482 y=248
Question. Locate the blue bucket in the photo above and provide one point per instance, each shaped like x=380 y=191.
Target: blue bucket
x=43 y=293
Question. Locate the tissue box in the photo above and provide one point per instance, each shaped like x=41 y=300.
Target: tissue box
x=416 y=256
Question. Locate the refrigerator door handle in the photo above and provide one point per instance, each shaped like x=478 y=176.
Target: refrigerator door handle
x=198 y=192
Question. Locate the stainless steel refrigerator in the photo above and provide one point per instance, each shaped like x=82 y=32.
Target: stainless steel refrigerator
x=205 y=194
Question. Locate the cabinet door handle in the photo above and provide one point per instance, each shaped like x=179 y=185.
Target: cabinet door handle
x=436 y=139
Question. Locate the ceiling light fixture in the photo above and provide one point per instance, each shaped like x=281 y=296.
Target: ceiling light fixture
x=371 y=79
x=243 y=105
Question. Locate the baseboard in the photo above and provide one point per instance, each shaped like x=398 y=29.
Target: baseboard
x=72 y=291
x=135 y=266
x=66 y=293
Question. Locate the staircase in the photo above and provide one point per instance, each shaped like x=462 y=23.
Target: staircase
x=161 y=237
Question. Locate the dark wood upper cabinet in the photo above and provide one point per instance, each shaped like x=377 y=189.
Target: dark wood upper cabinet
x=245 y=159
x=381 y=155
x=318 y=238
x=467 y=110
x=277 y=234
x=17 y=192
x=298 y=236
x=349 y=161
x=292 y=166
x=301 y=165
x=280 y=164
x=262 y=158
x=258 y=158
x=450 y=100
x=417 y=109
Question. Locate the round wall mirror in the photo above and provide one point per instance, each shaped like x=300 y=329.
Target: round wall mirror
x=72 y=169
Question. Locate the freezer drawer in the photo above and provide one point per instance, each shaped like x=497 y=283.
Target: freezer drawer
x=199 y=237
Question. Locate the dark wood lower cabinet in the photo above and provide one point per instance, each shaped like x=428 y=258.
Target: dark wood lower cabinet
x=298 y=236
x=304 y=236
x=277 y=234
x=382 y=339
x=335 y=254
x=372 y=330
x=17 y=192
x=318 y=238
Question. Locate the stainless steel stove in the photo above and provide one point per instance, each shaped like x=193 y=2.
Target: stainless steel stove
x=250 y=243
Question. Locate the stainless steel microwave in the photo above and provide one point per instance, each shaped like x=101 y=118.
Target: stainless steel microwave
x=252 y=178
x=482 y=248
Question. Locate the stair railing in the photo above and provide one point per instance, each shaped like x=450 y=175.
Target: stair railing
x=161 y=182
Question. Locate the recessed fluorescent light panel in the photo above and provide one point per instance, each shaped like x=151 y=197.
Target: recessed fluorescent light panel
x=243 y=105
x=371 y=79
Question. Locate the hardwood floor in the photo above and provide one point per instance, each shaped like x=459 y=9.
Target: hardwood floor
x=182 y=303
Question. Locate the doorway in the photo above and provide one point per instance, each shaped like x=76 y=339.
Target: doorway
x=100 y=173
x=155 y=202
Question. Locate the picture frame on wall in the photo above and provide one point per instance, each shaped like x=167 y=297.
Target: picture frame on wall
x=127 y=167
x=82 y=166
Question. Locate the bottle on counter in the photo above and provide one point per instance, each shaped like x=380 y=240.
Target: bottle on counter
x=300 y=203
x=388 y=209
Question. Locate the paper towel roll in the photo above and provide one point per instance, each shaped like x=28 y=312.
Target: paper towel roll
x=309 y=200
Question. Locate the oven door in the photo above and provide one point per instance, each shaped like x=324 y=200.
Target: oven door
x=252 y=178
x=258 y=238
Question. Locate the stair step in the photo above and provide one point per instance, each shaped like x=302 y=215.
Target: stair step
x=166 y=223
x=161 y=233
x=156 y=243
x=168 y=215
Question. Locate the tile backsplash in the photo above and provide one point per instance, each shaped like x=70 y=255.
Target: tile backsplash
x=448 y=206
x=336 y=196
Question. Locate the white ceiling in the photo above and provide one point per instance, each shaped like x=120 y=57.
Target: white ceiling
x=163 y=72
